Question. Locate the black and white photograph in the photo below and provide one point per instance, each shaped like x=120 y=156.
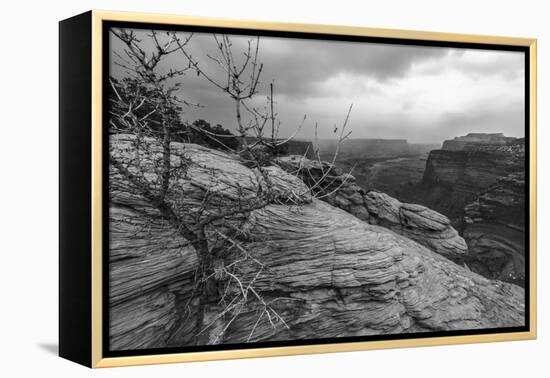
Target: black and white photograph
x=270 y=189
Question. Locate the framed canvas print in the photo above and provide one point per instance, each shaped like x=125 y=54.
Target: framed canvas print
x=235 y=189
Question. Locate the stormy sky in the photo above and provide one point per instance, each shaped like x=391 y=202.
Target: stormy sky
x=422 y=94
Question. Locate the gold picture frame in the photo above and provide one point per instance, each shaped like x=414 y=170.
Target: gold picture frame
x=93 y=261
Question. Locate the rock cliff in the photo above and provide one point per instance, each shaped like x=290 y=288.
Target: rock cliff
x=478 y=180
x=494 y=228
x=329 y=273
x=455 y=176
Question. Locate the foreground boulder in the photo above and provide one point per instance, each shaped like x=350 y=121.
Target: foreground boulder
x=418 y=223
x=328 y=273
x=335 y=275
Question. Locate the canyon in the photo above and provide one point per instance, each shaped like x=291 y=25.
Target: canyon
x=476 y=181
x=479 y=181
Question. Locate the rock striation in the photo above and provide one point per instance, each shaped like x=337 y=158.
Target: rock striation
x=151 y=267
x=151 y=272
x=338 y=276
x=329 y=272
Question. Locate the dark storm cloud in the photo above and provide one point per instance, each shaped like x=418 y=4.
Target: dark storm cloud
x=423 y=94
x=299 y=68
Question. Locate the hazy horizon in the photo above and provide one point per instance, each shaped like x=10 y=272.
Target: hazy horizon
x=408 y=141
x=418 y=93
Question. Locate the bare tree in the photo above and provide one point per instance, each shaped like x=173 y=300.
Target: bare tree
x=144 y=105
x=241 y=82
x=146 y=88
x=327 y=183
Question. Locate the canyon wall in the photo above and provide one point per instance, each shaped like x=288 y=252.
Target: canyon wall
x=494 y=226
x=478 y=180
x=455 y=177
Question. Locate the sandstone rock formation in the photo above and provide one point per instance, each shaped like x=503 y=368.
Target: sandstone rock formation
x=494 y=228
x=455 y=176
x=151 y=272
x=152 y=268
x=344 y=277
x=479 y=181
x=416 y=222
x=330 y=274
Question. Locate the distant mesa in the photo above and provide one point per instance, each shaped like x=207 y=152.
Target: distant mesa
x=474 y=162
x=476 y=141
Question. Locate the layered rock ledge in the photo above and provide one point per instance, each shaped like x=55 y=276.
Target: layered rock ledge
x=416 y=222
x=330 y=273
